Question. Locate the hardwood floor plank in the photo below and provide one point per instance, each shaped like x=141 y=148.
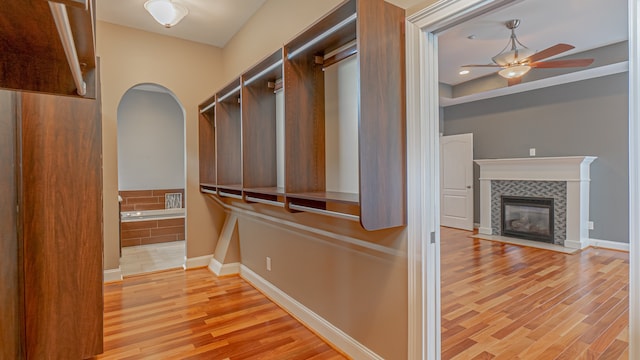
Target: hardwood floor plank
x=503 y=301
x=196 y=315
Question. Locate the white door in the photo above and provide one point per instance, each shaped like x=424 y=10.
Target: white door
x=456 y=181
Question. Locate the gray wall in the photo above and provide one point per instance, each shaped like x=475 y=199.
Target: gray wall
x=589 y=117
x=150 y=141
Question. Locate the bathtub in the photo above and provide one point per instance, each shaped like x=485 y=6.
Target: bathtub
x=145 y=215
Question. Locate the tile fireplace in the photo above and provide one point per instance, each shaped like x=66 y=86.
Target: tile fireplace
x=561 y=182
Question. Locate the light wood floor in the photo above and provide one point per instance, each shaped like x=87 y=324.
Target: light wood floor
x=503 y=301
x=195 y=315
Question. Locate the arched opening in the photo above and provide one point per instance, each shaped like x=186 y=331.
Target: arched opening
x=151 y=179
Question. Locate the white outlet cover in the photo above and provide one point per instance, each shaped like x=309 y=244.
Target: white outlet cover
x=532 y=152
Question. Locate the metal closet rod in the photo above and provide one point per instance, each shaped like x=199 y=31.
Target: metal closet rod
x=208 y=107
x=257 y=76
x=229 y=94
x=61 y=18
x=322 y=36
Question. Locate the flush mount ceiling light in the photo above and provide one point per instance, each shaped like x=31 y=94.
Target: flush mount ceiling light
x=166 y=12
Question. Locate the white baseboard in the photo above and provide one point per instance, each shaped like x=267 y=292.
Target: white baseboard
x=198 y=262
x=112 y=275
x=312 y=320
x=476 y=225
x=223 y=269
x=575 y=244
x=485 y=231
x=606 y=244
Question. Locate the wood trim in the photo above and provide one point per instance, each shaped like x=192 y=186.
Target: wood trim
x=11 y=279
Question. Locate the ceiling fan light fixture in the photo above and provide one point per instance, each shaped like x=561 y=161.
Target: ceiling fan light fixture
x=514 y=71
x=166 y=12
x=511 y=57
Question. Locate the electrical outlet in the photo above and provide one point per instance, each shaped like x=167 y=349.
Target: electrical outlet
x=532 y=152
x=590 y=225
x=268 y=263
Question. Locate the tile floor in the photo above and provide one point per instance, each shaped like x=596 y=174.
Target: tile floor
x=147 y=258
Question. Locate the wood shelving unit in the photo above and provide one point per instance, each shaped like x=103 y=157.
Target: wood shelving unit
x=259 y=140
x=246 y=140
x=229 y=141
x=207 y=144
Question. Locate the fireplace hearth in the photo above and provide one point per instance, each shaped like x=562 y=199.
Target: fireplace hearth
x=529 y=218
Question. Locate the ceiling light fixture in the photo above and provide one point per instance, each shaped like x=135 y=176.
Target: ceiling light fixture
x=514 y=71
x=464 y=72
x=166 y=12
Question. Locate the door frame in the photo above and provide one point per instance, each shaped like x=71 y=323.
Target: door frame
x=423 y=247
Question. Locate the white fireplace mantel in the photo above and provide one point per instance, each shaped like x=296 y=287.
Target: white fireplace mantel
x=572 y=169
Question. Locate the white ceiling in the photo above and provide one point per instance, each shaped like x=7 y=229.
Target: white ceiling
x=585 y=24
x=212 y=22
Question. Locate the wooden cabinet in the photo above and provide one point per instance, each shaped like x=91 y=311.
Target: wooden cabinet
x=51 y=270
x=207 y=144
x=372 y=32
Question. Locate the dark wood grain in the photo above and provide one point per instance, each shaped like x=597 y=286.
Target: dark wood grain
x=11 y=301
x=61 y=220
x=228 y=137
x=304 y=125
x=382 y=132
x=31 y=53
x=207 y=146
x=328 y=196
x=259 y=126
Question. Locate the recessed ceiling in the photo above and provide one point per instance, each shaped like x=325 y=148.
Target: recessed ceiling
x=585 y=24
x=212 y=22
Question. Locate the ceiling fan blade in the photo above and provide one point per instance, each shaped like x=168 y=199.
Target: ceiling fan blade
x=548 y=52
x=514 y=81
x=562 y=63
x=487 y=65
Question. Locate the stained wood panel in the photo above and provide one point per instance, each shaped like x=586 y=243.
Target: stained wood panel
x=62 y=226
x=11 y=309
x=381 y=57
x=195 y=315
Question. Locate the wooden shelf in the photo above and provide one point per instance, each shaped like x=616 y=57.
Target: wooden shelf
x=246 y=143
x=32 y=45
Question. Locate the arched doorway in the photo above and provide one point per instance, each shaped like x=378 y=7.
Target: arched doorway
x=151 y=179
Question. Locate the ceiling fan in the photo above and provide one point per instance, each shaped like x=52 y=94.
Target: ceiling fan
x=516 y=59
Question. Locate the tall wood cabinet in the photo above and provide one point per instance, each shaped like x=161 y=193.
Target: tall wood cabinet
x=51 y=300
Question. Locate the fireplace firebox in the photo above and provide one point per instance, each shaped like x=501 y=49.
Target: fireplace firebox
x=528 y=218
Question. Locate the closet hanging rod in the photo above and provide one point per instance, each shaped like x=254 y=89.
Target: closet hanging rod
x=264 y=201
x=335 y=214
x=257 y=76
x=61 y=18
x=207 y=107
x=322 y=36
x=229 y=195
x=229 y=94
x=207 y=191
x=342 y=55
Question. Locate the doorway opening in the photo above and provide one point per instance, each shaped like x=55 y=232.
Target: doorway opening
x=423 y=36
x=151 y=180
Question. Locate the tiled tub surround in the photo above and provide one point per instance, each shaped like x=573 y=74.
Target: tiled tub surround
x=144 y=219
x=146 y=199
x=146 y=232
x=572 y=171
